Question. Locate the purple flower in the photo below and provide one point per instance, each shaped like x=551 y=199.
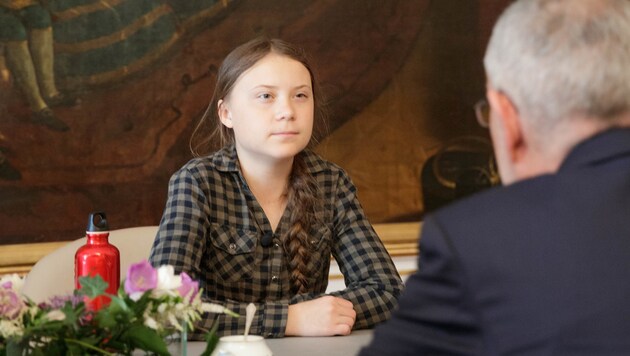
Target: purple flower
x=141 y=277
x=58 y=301
x=188 y=285
x=10 y=304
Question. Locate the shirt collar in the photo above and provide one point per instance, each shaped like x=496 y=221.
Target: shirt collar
x=226 y=160
x=604 y=146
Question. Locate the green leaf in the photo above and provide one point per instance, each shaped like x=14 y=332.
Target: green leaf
x=40 y=352
x=212 y=339
x=75 y=350
x=52 y=348
x=115 y=314
x=141 y=304
x=14 y=348
x=121 y=289
x=119 y=303
x=72 y=314
x=92 y=286
x=106 y=319
x=147 y=339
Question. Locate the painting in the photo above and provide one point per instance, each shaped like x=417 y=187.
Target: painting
x=98 y=100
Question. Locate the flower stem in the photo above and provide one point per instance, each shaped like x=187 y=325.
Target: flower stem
x=88 y=346
x=231 y=313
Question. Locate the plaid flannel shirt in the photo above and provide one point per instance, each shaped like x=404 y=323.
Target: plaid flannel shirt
x=212 y=227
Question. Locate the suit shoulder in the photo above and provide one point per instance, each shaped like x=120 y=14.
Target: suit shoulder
x=507 y=202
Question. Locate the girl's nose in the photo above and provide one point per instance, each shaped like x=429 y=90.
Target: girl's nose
x=285 y=110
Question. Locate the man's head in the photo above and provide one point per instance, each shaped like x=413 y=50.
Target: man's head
x=558 y=71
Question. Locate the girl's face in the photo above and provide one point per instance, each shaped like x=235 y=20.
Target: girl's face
x=270 y=109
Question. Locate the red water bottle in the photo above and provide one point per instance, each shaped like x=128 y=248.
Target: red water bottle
x=98 y=257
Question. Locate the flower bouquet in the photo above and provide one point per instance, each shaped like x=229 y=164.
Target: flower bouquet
x=151 y=307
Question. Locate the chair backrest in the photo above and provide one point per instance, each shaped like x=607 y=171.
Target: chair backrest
x=54 y=273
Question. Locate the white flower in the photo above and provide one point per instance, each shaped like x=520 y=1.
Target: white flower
x=56 y=315
x=135 y=296
x=33 y=310
x=150 y=322
x=212 y=308
x=167 y=280
x=174 y=322
x=10 y=328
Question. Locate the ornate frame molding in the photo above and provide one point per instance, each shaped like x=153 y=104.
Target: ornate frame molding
x=400 y=239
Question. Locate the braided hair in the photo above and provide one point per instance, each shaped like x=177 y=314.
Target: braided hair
x=303 y=201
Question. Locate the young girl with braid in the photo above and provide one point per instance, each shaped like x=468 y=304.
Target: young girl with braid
x=258 y=220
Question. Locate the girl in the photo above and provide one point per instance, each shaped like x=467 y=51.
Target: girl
x=258 y=220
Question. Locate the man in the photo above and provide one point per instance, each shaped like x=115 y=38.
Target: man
x=541 y=265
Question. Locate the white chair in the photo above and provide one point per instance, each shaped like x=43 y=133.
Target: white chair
x=54 y=273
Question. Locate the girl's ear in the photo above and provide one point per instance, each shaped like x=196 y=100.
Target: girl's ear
x=224 y=113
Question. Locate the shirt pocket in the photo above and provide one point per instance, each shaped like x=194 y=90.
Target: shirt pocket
x=233 y=252
x=320 y=244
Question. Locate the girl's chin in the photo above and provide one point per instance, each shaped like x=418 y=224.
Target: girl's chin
x=278 y=152
x=286 y=152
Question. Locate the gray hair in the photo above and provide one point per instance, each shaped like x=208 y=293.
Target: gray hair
x=558 y=59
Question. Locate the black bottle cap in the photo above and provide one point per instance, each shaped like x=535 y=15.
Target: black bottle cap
x=97 y=222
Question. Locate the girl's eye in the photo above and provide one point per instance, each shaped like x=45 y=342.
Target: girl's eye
x=302 y=95
x=264 y=96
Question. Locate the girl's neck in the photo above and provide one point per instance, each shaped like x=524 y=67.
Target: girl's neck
x=268 y=180
x=269 y=185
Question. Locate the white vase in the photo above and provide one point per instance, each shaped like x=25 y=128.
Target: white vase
x=237 y=345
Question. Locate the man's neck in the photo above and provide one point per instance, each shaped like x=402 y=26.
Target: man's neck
x=549 y=151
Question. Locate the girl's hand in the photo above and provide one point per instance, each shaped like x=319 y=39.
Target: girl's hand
x=324 y=316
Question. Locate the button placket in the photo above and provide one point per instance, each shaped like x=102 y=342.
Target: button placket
x=276 y=268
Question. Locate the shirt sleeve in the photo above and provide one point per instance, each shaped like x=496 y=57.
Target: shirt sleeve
x=372 y=281
x=435 y=315
x=269 y=320
x=180 y=240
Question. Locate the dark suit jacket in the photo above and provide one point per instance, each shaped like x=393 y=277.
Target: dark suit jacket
x=540 y=267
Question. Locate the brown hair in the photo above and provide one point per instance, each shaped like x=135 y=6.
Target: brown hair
x=303 y=193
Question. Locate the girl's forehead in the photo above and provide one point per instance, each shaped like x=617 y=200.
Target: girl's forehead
x=275 y=68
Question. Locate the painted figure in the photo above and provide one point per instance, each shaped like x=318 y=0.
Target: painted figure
x=26 y=33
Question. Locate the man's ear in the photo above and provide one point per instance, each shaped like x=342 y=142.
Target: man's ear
x=509 y=122
x=224 y=113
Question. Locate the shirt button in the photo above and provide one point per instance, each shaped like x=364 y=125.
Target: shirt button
x=274 y=278
x=232 y=247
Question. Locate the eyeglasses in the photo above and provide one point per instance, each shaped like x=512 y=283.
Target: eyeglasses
x=482 y=111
